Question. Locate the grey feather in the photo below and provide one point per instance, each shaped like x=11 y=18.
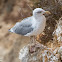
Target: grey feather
x=23 y=27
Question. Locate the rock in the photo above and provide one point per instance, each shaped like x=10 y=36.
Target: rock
x=58 y=31
x=23 y=55
x=60 y=52
x=28 y=55
x=38 y=54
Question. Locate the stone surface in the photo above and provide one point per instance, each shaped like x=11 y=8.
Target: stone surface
x=39 y=54
x=58 y=32
x=60 y=52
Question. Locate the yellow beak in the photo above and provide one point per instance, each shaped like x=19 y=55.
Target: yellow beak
x=47 y=12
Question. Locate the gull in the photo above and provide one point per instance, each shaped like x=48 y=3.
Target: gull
x=31 y=26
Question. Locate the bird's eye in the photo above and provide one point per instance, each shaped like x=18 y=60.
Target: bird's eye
x=39 y=11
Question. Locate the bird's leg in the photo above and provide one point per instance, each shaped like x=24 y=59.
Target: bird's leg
x=32 y=39
x=32 y=47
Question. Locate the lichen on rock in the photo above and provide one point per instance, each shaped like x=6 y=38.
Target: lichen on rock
x=60 y=52
x=35 y=53
x=58 y=31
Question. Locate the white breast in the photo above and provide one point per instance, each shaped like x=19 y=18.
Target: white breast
x=38 y=25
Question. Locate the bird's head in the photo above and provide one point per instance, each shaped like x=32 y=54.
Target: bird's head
x=39 y=12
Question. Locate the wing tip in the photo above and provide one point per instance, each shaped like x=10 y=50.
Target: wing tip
x=10 y=30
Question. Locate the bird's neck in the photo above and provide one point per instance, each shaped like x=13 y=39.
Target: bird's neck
x=40 y=18
x=39 y=21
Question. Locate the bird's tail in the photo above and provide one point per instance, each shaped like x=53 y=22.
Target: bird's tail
x=10 y=30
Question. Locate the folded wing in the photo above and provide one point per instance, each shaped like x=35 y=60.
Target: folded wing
x=23 y=27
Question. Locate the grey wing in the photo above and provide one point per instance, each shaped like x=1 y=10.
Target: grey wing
x=23 y=27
